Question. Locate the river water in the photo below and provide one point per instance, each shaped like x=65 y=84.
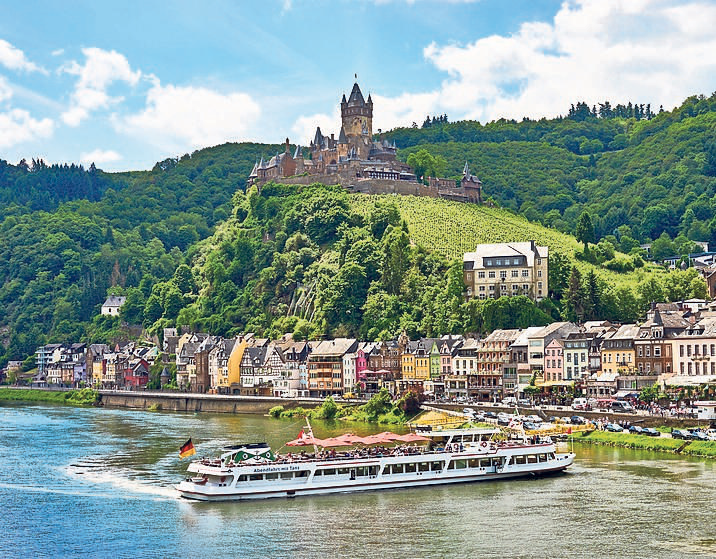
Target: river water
x=82 y=482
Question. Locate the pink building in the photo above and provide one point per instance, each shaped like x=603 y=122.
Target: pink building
x=553 y=361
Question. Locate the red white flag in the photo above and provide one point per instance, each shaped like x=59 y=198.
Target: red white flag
x=302 y=435
x=569 y=431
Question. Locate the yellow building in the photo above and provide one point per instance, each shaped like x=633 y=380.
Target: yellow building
x=234 y=364
x=618 y=355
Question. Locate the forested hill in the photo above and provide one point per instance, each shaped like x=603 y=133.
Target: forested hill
x=185 y=243
x=652 y=175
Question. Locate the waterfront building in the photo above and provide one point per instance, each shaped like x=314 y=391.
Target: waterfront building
x=694 y=352
x=463 y=369
x=493 y=354
x=576 y=356
x=538 y=341
x=506 y=269
x=518 y=373
x=653 y=348
x=617 y=355
x=325 y=366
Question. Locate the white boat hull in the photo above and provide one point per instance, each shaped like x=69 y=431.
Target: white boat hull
x=318 y=485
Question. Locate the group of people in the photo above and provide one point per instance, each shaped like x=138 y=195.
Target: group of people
x=365 y=452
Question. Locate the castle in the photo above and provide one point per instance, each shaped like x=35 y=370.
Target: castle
x=359 y=162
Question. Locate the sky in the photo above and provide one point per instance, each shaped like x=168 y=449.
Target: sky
x=127 y=84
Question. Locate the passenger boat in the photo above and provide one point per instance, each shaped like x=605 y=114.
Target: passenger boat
x=251 y=471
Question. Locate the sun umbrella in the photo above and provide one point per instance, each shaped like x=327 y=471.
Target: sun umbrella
x=412 y=438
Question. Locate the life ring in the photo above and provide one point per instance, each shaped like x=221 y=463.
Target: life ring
x=483 y=444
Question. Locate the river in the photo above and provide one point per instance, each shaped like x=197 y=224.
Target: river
x=85 y=482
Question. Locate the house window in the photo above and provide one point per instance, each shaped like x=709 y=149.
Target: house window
x=525 y=273
x=681 y=351
x=491 y=274
x=539 y=273
x=515 y=273
x=503 y=274
x=481 y=275
x=482 y=288
x=657 y=351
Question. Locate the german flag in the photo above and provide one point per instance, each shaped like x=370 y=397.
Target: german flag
x=187 y=449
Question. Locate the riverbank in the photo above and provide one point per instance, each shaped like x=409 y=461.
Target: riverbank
x=703 y=449
x=81 y=397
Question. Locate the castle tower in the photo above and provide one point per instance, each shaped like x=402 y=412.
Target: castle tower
x=357 y=114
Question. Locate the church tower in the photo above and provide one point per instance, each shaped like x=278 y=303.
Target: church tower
x=357 y=115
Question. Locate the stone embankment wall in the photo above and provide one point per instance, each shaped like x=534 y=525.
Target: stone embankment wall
x=566 y=411
x=187 y=402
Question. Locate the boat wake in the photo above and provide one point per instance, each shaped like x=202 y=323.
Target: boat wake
x=132 y=484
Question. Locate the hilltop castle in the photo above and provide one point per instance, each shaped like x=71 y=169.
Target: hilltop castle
x=359 y=162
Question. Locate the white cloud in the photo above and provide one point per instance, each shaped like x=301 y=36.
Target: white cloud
x=304 y=129
x=5 y=91
x=13 y=58
x=101 y=69
x=16 y=126
x=99 y=156
x=58 y=52
x=191 y=117
x=644 y=51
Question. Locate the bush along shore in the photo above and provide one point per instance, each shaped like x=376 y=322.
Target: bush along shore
x=80 y=397
x=379 y=409
x=705 y=449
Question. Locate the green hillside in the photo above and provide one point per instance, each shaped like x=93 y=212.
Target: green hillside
x=187 y=245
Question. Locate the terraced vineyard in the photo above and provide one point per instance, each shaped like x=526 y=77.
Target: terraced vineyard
x=453 y=228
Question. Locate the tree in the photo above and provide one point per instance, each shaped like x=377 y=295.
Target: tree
x=396 y=258
x=574 y=308
x=585 y=230
x=427 y=165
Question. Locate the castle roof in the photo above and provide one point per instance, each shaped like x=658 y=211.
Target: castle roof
x=356 y=98
x=253 y=171
x=318 y=138
x=297 y=153
x=342 y=136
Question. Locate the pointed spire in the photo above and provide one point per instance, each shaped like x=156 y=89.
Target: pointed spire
x=297 y=154
x=262 y=165
x=343 y=101
x=342 y=137
x=356 y=97
x=318 y=139
x=466 y=170
x=253 y=171
x=370 y=101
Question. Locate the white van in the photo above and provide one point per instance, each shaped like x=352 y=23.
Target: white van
x=509 y=401
x=579 y=404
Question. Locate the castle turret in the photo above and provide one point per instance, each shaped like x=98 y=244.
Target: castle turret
x=356 y=114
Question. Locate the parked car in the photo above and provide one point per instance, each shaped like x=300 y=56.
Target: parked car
x=650 y=432
x=509 y=401
x=698 y=435
x=680 y=434
x=490 y=415
x=534 y=418
x=613 y=428
x=578 y=420
x=529 y=426
x=524 y=402
x=636 y=430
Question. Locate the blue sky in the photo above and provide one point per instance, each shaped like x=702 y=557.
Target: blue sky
x=129 y=84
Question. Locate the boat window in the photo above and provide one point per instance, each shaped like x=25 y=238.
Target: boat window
x=302 y=473
x=398 y=468
x=271 y=477
x=532 y=459
x=373 y=471
x=437 y=466
x=317 y=473
x=362 y=471
x=286 y=475
x=552 y=456
x=410 y=468
x=485 y=463
x=519 y=459
x=424 y=467
x=342 y=471
x=542 y=457
x=498 y=462
x=256 y=477
x=329 y=472
x=460 y=464
x=473 y=463
x=242 y=477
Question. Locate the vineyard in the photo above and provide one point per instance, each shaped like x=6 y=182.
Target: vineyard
x=454 y=228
